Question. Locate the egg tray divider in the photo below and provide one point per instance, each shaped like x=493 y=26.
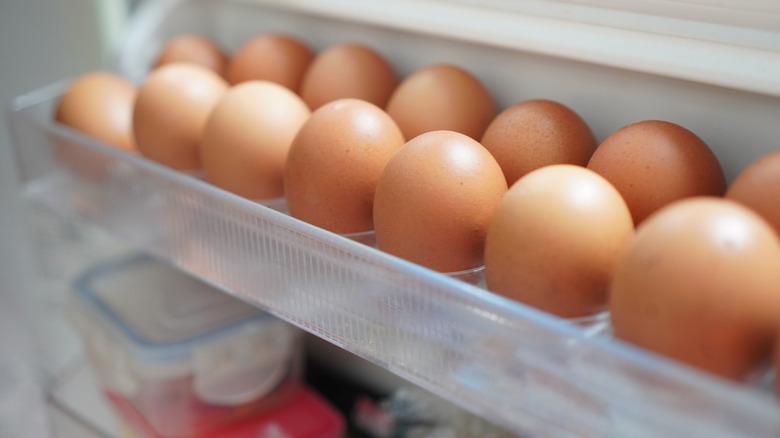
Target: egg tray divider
x=526 y=370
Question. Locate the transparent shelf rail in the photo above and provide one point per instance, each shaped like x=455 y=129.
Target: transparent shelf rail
x=530 y=372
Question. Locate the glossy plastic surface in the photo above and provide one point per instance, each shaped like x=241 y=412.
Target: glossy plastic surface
x=528 y=371
x=186 y=356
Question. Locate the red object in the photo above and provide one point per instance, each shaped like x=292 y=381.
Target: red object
x=304 y=415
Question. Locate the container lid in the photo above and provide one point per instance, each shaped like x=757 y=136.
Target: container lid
x=158 y=308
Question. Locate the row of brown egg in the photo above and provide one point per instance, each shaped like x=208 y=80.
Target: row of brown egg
x=426 y=164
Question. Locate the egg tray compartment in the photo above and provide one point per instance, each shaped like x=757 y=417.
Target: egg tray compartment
x=526 y=370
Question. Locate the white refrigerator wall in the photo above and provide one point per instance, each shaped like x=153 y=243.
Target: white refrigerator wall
x=40 y=41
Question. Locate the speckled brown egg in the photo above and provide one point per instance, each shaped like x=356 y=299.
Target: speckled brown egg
x=335 y=162
x=272 y=57
x=101 y=106
x=555 y=238
x=758 y=187
x=247 y=137
x=435 y=200
x=442 y=97
x=700 y=283
x=348 y=71
x=654 y=163
x=538 y=133
x=171 y=111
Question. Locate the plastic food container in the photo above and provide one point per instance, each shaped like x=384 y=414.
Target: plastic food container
x=525 y=370
x=187 y=357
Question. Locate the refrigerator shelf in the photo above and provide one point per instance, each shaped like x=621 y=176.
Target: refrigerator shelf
x=526 y=370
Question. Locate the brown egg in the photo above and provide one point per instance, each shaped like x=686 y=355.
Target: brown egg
x=276 y=58
x=247 y=137
x=700 y=283
x=101 y=106
x=171 y=111
x=555 y=238
x=654 y=163
x=538 y=133
x=442 y=97
x=435 y=200
x=758 y=187
x=335 y=162
x=348 y=71
x=193 y=49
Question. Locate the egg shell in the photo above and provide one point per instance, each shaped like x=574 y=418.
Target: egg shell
x=348 y=71
x=170 y=113
x=335 y=162
x=538 y=133
x=101 y=106
x=555 y=238
x=247 y=137
x=435 y=200
x=653 y=163
x=700 y=283
x=193 y=49
x=758 y=187
x=272 y=57
x=442 y=97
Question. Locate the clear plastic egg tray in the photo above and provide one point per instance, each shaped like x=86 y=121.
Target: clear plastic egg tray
x=530 y=372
